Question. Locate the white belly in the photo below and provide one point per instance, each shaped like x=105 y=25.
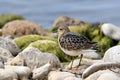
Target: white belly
x=76 y=52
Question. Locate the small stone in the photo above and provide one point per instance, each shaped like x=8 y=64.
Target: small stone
x=42 y=72
x=57 y=75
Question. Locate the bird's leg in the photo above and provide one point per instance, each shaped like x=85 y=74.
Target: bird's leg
x=81 y=56
x=71 y=63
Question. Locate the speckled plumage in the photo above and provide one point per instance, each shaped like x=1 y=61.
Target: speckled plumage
x=72 y=43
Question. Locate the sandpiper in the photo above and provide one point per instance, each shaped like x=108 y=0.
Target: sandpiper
x=74 y=44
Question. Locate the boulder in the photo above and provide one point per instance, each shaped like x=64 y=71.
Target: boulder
x=1 y=63
x=111 y=31
x=23 y=41
x=34 y=58
x=18 y=28
x=73 y=78
x=7 y=74
x=112 y=54
x=9 y=45
x=68 y=20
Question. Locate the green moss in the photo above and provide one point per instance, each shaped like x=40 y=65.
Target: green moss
x=24 y=41
x=54 y=29
x=4 y=18
x=85 y=30
x=105 y=43
x=51 y=47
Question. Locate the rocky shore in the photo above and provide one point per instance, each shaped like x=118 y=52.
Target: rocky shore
x=29 y=52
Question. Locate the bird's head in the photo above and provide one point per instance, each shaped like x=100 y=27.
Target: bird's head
x=63 y=29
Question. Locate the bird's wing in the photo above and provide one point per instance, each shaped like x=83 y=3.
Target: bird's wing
x=74 y=41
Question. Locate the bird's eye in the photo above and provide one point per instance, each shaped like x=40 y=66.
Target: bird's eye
x=61 y=29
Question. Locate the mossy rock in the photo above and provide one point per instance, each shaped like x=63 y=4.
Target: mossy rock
x=51 y=47
x=24 y=41
x=4 y=18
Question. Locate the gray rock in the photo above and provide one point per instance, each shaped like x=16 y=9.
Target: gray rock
x=112 y=54
x=7 y=74
x=5 y=54
x=73 y=78
x=42 y=72
x=9 y=45
x=34 y=58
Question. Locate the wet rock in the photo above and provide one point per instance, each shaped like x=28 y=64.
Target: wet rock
x=112 y=54
x=22 y=27
x=9 y=45
x=22 y=71
x=7 y=74
x=34 y=58
x=5 y=54
x=111 y=31
x=57 y=75
x=42 y=72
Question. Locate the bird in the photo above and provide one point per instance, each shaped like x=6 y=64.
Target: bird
x=74 y=44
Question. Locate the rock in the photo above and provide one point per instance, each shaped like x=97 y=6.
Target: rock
x=51 y=47
x=42 y=72
x=92 y=55
x=5 y=54
x=16 y=61
x=57 y=75
x=34 y=58
x=22 y=71
x=5 y=18
x=23 y=41
x=103 y=75
x=7 y=74
x=99 y=66
x=18 y=28
x=112 y=54
x=68 y=20
x=111 y=31
x=9 y=45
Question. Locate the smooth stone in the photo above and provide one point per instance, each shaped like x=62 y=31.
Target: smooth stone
x=7 y=74
x=57 y=75
x=22 y=71
x=111 y=31
x=112 y=54
x=103 y=75
x=9 y=45
x=34 y=58
x=42 y=72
